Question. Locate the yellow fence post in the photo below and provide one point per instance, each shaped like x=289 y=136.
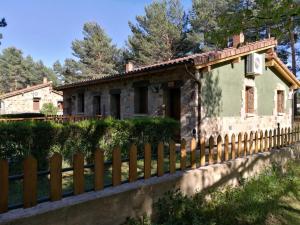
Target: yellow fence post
x=55 y=177
x=30 y=182
x=147 y=161
x=3 y=185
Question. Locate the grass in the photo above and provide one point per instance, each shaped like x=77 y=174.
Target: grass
x=272 y=198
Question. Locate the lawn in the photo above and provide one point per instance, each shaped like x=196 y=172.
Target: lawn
x=272 y=198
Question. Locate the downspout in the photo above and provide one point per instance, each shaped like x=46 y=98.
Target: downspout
x=198 y=80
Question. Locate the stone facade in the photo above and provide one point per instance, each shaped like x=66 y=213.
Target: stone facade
x=222 y=98
x=30 y=99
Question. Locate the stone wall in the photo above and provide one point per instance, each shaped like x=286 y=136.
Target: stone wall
x=23 y=103
x=113 y=205
x=156 y=98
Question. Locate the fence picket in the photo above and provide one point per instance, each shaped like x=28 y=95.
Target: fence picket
x=133 y=163
x=4 y=184
x=183 y=154
x=266 y=141
x=116 y=167
x=285 y=137
x=239 y=144
x=282 y=138
x=251 y=143
x=233 y=146
x=289 y=136
x=226 y=143
x=78 y=176
x=274 y=139
x=172 y=157
x=261 y=138
x=270 y=140
x=193 y=153
x=160 y=159
x=256 y=142
x=202 y=151
x=245 y=144
x=147 y=161
x=219 y=149
x=30 y=182
x=211 y=150
x=99 y=169
x=55 y=177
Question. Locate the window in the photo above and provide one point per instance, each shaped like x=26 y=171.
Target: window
x=141 y=100
x=80 y=103
x=249 y=100
x=280 y=101
x=36 y=103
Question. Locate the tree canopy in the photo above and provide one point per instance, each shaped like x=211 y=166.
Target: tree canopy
x=17 y=71
x=97 y=56
x=161 y=34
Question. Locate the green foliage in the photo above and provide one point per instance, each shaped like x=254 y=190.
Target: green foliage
x=254 y=202
x=49 y=109
x=97 y=56
x=17 y=71
x=160 y=34
x=43 y=138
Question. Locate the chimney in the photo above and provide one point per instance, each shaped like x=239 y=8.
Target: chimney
x=129 y=67
x=45 y=80
x=238 y=40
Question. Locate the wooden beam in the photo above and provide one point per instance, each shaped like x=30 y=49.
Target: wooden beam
x=270 y=63
x=206 y=69
x=237 y=60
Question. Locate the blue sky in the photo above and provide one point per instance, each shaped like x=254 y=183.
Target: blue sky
x=45 y=28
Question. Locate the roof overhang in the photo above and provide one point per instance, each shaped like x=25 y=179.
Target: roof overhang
x=274 y=62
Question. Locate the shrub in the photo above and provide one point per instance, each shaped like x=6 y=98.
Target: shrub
x=49 y=109
x=253 y=202
x=42 y=138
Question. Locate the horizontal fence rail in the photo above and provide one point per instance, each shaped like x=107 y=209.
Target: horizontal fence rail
x=58 y=118
x=168 y=157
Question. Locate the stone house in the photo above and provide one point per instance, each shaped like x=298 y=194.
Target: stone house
x=31 y=99
x=242 y=88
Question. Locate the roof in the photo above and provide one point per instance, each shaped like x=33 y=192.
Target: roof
x=200 y=60
x=25 y=90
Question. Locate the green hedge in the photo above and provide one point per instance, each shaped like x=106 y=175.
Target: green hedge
x=41 y=139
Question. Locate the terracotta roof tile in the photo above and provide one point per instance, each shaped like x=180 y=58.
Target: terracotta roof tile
x=196 y=59
x=25 y=90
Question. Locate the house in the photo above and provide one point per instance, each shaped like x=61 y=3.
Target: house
x=30 y=99
x=242 y=88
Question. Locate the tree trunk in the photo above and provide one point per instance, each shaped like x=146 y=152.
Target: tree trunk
x=293 y=48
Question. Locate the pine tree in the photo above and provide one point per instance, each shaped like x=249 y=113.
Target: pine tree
x=96 y=54
x=17 y=72
x=161 y=34
x=263 y=18
x=204 y=21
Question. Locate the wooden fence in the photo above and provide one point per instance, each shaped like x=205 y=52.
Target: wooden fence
x=58 y=118
x=213 y=150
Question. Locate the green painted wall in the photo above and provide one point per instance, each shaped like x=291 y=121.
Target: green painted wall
x=229 y=78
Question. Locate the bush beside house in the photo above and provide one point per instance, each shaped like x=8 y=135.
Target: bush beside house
x=41 y=139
